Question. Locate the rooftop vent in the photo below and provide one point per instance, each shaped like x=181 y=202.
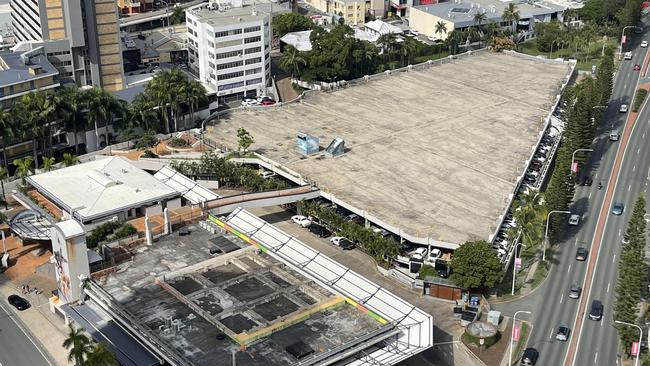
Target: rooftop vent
x=35 y=70
x=101 y=179
x=335 y=148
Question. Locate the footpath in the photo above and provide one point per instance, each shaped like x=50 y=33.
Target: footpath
x=43 y=327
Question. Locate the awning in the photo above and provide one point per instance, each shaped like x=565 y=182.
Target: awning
x=126 y=349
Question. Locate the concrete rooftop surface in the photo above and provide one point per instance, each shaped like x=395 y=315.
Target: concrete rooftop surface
x=213 y=298
x=434 y=152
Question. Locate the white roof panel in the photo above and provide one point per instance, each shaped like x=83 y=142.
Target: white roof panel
x=101 y=187
x=189 y=189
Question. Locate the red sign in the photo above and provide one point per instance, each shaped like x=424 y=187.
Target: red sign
x=635 y=348
x=623 y=39
x=515 y=334
x=518 y=263
x=574 y=167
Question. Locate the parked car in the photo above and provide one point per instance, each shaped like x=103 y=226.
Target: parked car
x=618 y=208
x=574 y=220
x=266 y=174
x=596 y=312
x=267 y=102
x=581 y=254
x=18 y=302
x=575 y=290
x=414 y=32
x=298 y=218
x=248 y=102
x=342 y=243
x=319 y=230
x=562 y=333
x=529 y=358
x=419 y=253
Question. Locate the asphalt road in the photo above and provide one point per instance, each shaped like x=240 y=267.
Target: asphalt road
x=16 y=349
x=550 y=304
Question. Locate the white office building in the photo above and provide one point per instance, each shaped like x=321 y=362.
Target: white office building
x=229 y=47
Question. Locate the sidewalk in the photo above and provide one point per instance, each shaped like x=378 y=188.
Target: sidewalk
x=44 y=327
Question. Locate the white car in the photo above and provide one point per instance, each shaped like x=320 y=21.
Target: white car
x=431 y=38
x=413 y=31
x=301 y=220
x=644 y=44
x=248 y=102
x=266 y=174
x=419 y=253
x=628 y=55
x=623 y=108
x=337 y=240
x=574 y=220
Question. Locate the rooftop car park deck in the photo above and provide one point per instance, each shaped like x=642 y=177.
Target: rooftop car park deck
x=433 y=153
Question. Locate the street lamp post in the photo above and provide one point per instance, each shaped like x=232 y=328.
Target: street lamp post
x=573 y=157
x=512 y=333
x=548 y=220
x=514 y=266
x=620 y=52
x=636 y=360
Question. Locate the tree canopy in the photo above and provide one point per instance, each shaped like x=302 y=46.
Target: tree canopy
x=290 y=22
x=475 y=266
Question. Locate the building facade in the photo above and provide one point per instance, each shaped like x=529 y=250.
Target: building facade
x=459 y=15
x=354 y=12
x=134 y=6
x=80 y=37
x=229 y=49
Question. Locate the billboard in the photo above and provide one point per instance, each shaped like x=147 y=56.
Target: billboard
x=70 y=258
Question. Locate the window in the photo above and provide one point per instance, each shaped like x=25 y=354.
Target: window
x=252 y=61
x=211 y=44
x=210 y=33
x=254 y=81
x=211 y=65
x=234 y=42
x=229 y=65
x=256 y=70
x=252 y=39
x=230 y=76
x=238 y=84
x=227 y=54
x=252 y=29
x=252 y=50
x=231 y=32
x=211 y=55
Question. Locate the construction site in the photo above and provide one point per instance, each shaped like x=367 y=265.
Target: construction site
x=211 y=296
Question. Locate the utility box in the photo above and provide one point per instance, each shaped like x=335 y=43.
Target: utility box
x=5 y=260
x=494 y=317
x=307 y=144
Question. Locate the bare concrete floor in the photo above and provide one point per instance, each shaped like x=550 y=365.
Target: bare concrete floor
x=435 y=153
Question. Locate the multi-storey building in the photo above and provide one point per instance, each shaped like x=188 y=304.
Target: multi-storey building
x=353 y=12
x=134 y=6
x=21 y=73
x=80 y=37
x=229 y=48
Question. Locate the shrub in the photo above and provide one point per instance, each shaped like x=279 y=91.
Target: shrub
x=124 y=231
x=148 y=154
x=489 y=342
x=101 y=232
x=638 y=99
x=176 y=142
x=147 y=140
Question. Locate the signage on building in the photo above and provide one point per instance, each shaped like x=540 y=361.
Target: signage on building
x=635 y=348
x=515 y=334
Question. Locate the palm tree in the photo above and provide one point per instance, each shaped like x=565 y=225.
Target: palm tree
x=142 y=113
x=409 y=47
x=441 y=28
x=102 y=108
x=387 y=43
x=23 y=167
x=100 y=356
x=48 y=161
x=453 y=39
x=511 y=14
x=3 y=175
x=7 y=134
x=70 y=104
x=195 y=94
x=479 y=19
x=69 y=159
x=292 y=60
x=79 y=346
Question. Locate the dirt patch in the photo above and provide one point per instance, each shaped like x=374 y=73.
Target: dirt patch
x=493 y=355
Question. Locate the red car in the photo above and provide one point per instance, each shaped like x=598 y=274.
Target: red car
x=637 y=67
x=268 y=102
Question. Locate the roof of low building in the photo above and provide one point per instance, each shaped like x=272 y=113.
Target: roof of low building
x=18 y=67
x=382 y=27
x=101 y=187
x=461 y=12
x=299 y=40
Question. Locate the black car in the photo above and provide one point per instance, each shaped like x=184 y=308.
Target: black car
x=581 y=254
x=596 y=312
x=586 y=181
x=18 y=302
x=562 y=333
x=530 y=357
x=345 y=244
x=319 y=230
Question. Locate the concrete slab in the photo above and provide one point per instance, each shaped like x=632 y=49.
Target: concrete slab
x=435 y=153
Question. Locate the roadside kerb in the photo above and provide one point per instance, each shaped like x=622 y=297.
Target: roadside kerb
x=630 y=123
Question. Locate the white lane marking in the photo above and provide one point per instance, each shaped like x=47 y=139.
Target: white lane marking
x=561 y=298
x=569 y=269
x=638 y=151
x=596 y=356
x=609 y=283
x=590 y=195
x=643 y=135
x=576 y=243
x=551 y=334
x=634 y=168
x=629 y=188
x=619 y=232
x=614 y=259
